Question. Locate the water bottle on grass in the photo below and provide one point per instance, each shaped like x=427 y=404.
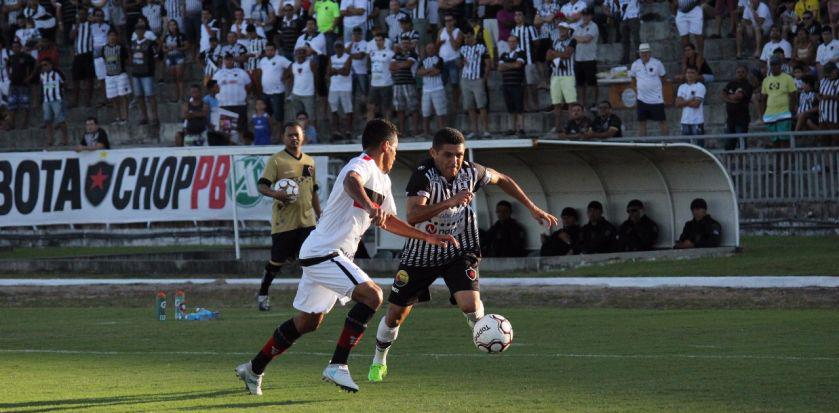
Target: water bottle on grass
x=161 y=306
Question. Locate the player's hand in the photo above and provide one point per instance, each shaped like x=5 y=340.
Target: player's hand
x=463 y=198
x=442 y=240
x=544 y=218
x=281 y=196
x=378 y=217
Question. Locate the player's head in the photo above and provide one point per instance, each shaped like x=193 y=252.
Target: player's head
x=380 y=137
x=292 y=136
x=503 y=210
x=569 y=216
x=594 y=211
x=448 y=151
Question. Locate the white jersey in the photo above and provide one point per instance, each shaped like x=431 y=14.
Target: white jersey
x=340 y=83
x=343 y=221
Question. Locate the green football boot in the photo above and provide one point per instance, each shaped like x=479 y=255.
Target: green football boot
x=377 y=372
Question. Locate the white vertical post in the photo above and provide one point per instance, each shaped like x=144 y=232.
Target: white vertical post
x=232 y=179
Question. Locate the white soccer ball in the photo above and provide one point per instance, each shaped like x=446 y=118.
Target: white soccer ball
x=492 y=334
x=289 y=186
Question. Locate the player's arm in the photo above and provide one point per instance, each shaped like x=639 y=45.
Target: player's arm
x=264 y=188
x=509 y=186
x=396 y=226
x=420 y=211
x=316 y=204
x=354 y=187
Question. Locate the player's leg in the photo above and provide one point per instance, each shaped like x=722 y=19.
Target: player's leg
x=461 y=277
x=385 y=336
x=279 y=256
x=470 y=303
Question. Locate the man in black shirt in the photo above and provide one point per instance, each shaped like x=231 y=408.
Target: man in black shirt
x=506 y=237
x=638 y=232
x=598 y=236
x=511 y=65
x=702 y=231
x=737 y=96
x=566 y=240
x=22 y=71
x=578 y=124
x=94 y=138
x=606 y=124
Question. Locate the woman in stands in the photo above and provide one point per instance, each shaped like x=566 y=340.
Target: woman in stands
x=804 y=51
x=692 y=58
x=174 y=46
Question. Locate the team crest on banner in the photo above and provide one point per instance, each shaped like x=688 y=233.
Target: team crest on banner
x=248 y=171
x=97 y=182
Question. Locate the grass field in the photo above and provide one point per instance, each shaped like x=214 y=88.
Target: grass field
x=582 y=360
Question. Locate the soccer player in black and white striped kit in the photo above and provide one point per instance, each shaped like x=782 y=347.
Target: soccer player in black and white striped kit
x=439 y=193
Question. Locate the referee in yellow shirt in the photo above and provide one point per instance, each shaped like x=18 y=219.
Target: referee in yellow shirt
x=291 y=220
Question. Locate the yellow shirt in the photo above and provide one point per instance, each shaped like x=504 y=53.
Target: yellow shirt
x=298 y=214
x=808 y=5
x=778 y=89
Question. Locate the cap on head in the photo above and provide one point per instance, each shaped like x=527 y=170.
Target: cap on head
x=644 y=47
x=569 y=212
x=595 y=205
x=635 y=203
x=698 y=203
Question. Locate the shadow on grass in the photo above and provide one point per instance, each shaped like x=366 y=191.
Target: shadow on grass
x=93 y=402
x=252 y=405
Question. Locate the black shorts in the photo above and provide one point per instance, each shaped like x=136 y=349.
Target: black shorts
x=514 y=98
x=410 y=285
x=647 y=112
x=83 y=67
x=285 y=246
x=586 y=73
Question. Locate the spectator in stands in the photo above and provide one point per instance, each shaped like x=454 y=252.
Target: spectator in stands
x=192 y=24
x=737 y=96
x=563 y=83
x=256 y=49
x=692 y=58
x=527 y=40
x=405 y=99
x=289 y=29
x=99 y=30
x=309 y=130
x=394 y=14
x=52 y=87
x=117 y=82
x=506 y=238
x=82 y=70
x=174 y=46
x=585 y=58
x=209 y=29
x=578 y=124
x=647 y=75
x=511 y=64
x=756 y=22
x=606 y=124
x=828 y=51
x=153 y=12
x=777 y=93
x=303 y=72
x=638 y=232
x=573 y=12
x=721 y=7
x=239 y=26
x=775 y=42
x=628 y=12
x=598 y=235
x=380 y=100
x=702 y=231
x=689 y=21
x=807 y=115
x=274 y=74
x=141 y=69
x=829 y=98
x=475 y=68
x=448 y=45
x=804 y=51
x=196 y=112
x=94 y=138
x=261 y=123
x=22 y=71
x=566 y=240
x=810 y=25
x=354 y=14
x=433 y=90
x=406 y=26
x=234 y=48
x=357 y=48
x=340 y=91
x=211 y=59
x=786 y=17
x=802 y=7
x=233 y=92
x=263 y=16
x=691 y=98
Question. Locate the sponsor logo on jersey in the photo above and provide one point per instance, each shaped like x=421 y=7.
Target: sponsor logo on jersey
x=431 y=228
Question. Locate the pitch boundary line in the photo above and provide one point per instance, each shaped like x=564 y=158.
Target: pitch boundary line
x=435 y=355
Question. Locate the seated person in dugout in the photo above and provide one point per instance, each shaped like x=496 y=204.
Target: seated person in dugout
x=564 y=241
x=505 y=238
x=638 y=232
x=702 y=231
x=598 y=236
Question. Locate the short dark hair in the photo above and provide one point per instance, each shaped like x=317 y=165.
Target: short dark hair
x=607 y=103
x=92 y=118
x=569 y=212
x=211 y=83
x=448 y=136
x=377 y=131
x=595 y=205
x=291 y=124
x=572 y=104
x=504 y=204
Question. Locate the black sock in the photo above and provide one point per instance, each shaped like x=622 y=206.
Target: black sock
x=271 y=271
x=353 y=330
x=284 y=336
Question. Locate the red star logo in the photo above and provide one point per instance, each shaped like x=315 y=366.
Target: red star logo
x=98 y=180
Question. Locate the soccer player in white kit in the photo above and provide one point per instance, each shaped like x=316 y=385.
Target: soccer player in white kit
x=361 y=196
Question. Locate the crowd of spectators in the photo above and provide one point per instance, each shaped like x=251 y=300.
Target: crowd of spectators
x=412 y=60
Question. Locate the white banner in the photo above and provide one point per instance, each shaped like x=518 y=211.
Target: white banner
x=137 y=185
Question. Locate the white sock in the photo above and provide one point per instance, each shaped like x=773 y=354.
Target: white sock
x=385 y=336
x=472 y=318
x=261 y=298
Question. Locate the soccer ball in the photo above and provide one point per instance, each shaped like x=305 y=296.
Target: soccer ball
x=492 y=334
x=289 y=186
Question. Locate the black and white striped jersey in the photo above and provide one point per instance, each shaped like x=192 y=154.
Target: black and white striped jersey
x=527 y=36
x=560 y=66
x=51 y=85
x=829 y=108
x=460 y=222
x=473 y=61
x=806 y=101
x=84 y=38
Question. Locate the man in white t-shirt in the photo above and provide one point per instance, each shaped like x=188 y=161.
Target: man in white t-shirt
x=357 y=49
x=691 y=97
x=757 y=20
x=233 y=91
x=303 y=86
x=585 y=58
x=274 y=76
x=775 y=42
x=361 y=196
x=828 y=51
x=380 y=99
x=340 y=90
x=573 y=12
x=690 y=21
x=354 y=13
x=647 y=74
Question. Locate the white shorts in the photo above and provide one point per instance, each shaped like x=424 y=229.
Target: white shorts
x=340 y=99
x=116 y=86
x=324 y=283
x=435 y=100
x=690 y=22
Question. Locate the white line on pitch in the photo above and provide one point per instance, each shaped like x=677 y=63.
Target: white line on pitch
x=441 y=355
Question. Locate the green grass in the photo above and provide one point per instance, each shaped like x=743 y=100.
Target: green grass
x=562 y=361
x=69 y=252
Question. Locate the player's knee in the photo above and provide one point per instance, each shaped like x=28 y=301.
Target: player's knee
x=306 y=323
x=370 y=294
